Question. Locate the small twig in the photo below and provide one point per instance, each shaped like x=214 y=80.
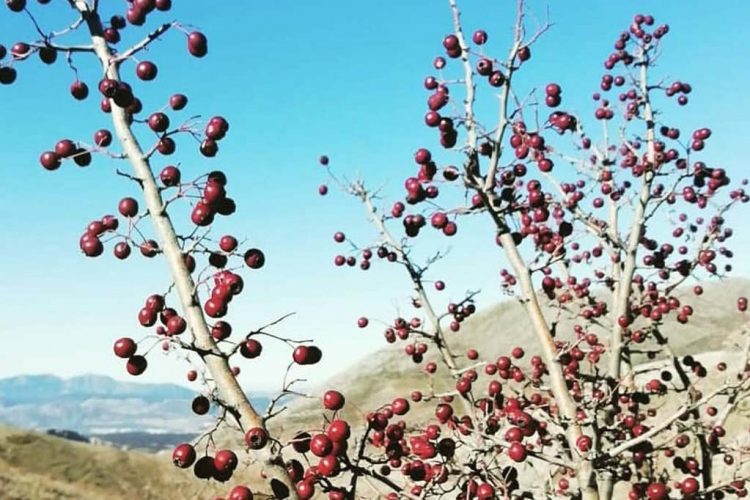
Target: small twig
x=151 y=37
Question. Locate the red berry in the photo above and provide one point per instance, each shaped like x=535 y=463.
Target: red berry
x=320 y=445
x=158 y=122
x=485 y=491
x=125 y=347
x=228 y=243
x=16 y=5
x=136 y=365
x=149 y=248
x=451 y=42
x=552 y=89
x=251 y=348
x=103 y=138
x=7 y=75
x=240 y=492
x=183 y=455
x=166 y=146
x=689 y=486
x=65 y=148
x=201 y=405
x=146 y=70
x=128 y=207
x=583 y=443
x=176 y=325
x=50 y=160
x=122 y=250
x=170 y=176
x=657 y=491
x=178 y=101
x=742 y=304
x=305 y=489
x=79 y=90
x=333 y=400
x=197 y=44
x=256 y=438
x=479 y=37
x=400 y=406
x=255 y=258
x=517 y=452
x=338 y=431
x=225 y=460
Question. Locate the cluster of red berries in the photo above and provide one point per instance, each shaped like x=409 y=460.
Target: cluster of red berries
x=525 y=143
x=679 y=89
x=126 y=348
x=214 y=200
x=226 y=285
x=90 y=242
x=140 y=9
x=67 y=149
x=215 y=130
x=219 y=467
x=366 y=255
x=437 y=100
x=561 y=122
x=459 y=312
x=552 y=95
x=136 y=15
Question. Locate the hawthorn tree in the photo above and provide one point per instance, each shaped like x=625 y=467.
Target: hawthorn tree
x=201 y=295
x=601 y=228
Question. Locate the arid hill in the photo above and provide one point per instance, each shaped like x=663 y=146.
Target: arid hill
x=40 y=467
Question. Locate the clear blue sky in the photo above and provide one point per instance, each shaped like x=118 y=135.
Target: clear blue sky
x=297 y=79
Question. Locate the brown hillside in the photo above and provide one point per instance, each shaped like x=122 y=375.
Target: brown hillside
x=40 y=467
x=378 y=378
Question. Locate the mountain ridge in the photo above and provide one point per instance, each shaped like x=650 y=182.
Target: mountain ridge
x=96 y=405
x=32 y=386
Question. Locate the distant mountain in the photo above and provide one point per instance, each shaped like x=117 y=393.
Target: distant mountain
x=34 y=388
x=96 y=405
x=143 y=441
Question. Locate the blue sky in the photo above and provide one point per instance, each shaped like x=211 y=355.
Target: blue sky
x=295 y=80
